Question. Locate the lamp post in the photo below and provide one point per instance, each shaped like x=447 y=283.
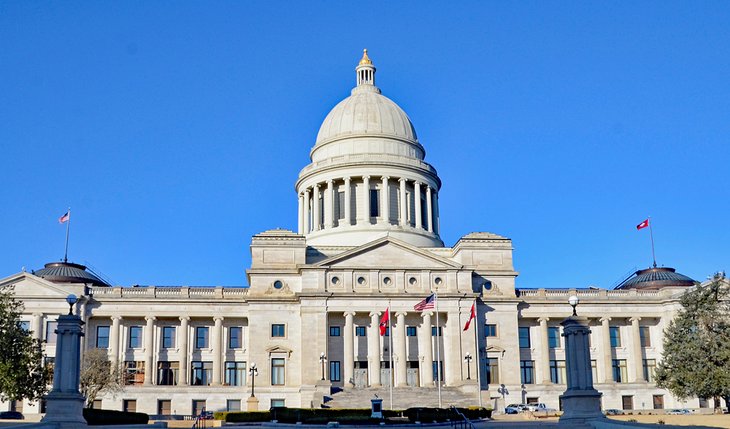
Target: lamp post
x=322 y=359
x=468 y=358
x=71 y=300
x=573 y=301
x=254 y=372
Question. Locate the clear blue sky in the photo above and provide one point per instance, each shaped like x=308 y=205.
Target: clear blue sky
x=176 y=130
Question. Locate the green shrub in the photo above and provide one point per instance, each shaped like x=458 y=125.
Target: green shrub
x=242 y=416
x=319 y=415
x=111 y=417
x=427 y=415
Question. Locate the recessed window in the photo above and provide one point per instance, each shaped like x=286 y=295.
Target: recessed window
x=410 y=331
x=524 y=335
x=25 y=325
x=527 y=371
x=374 y=200
x=129 y=405
x=340 y=205
x=235 y=373
x=201 y=373
x=134 y=373
x=51 y=332
x=490 y=330
x=167 y=373
x=620 y=373
x=645 y=336
x=387 y=281
x=361 y=281
x=235 y=337
x=360 y=331
x=278 y=330
x=278 y=403
x=335 y=374
x=335 y=280
x=553 y=337
x=334 y=331
x=615 y=335
x=278 y=284
x=277 y=371
x=412 y=281
x=164 y=407
x=233 y=405
x=102 y=337
x=168 y=337
x=135 y=337
x=434 y=331
x=438 y=281
x=201 y=337
x=557 y=372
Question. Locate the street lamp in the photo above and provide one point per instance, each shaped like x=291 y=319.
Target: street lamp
x=254 y=372
x=71 y=300
x=322 y=359
x=468 y=358
x=573 y=301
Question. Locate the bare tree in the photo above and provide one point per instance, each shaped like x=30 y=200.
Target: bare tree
x=99 y=376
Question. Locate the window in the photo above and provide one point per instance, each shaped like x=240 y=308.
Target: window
x=492 y=370
x=627 y=402
x=235 y=373
x=164 y=407
x=277 y=371
x=340 y=205
x=524 y=333
x=25 y=325
x=198 y=406
x=278 y=330
x=49 y=363
x=235 y=337
x=278 y=403
x=335 y=371
x=102 y=337
x=658 y=402
x=129 y=405
x=201 y=337
x=201 y=373
x=360 y=331
x=553 y=337
x=557 y=372
x=434 y=367
x=167 y=373
x=133 y=373
x=374 y=202
x=615 y=336
x=649 y=368
x=233 y=405
x=645 y=336
x=440 y=331
x=527 y=371
x=135 y=337
x=51 y=332
x=411 y=331
x=168 y=337
x=490 y=330
x=334 y=331
x=619 y=371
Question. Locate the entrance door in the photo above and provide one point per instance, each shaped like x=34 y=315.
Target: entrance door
x=412 y=377
x=361 y=377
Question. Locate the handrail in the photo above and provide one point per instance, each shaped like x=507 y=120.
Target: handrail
x=464 y=423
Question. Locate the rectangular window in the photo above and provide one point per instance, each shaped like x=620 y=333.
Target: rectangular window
x=135 y=337
x=129 y=405
x=201 y=373
x=490 y=330
x=277 y=372
x=527 y=371
x=168 y=373
x=334 y=331
x=557 y=372
x=658 y=402
x=235 y=373
x=233 y=405
x=278 y=330
x=615 y=336
x=411 y=331
x=168 y=337
x=102 y=337
x=619 y=370
x=235 y=337
x=492 y=370
x=553 y=337
x=198 y=406
x=360 y=331
x=25 y=325
x=340 y=205
x=645 y=336
x=201 y=337
x=649 y=368
x=134 y=373
x=335 y=374
x=164 y=407
x=51 y=332
x=278 y=403
x=627 y=402
x=374 y=202
x=49 y=363
x=524 y=333
x=440 y=331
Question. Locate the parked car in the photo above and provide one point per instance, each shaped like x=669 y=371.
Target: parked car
x=679 y=411
x=515 y=408
x=613 y=412
x=11 y=415
x=539 y=406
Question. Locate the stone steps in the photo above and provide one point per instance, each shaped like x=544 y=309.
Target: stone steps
x=403 y=397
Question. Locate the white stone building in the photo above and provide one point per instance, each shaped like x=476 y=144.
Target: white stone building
x=367 y=240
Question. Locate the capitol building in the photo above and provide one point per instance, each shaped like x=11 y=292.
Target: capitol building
x=368 y=239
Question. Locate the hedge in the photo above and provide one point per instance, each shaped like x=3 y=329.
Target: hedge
x=427 y=415
x=242 y=416
x=358 y=415
x=111 y=417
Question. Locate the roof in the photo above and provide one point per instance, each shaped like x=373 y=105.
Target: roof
x=68 y=272
x=656 y=278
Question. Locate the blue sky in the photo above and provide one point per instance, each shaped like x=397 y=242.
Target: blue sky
x=176 y=130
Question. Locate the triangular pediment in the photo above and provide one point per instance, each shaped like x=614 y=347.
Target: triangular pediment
x=27 y=285
x=387 y=253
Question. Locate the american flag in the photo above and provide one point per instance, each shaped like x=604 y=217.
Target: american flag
x=426 y=304
x=66 y=216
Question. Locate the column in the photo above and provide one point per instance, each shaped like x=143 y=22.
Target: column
x=451 y=356
x=300 y=224
x=606 y=351
x=384 y=201
x=348 y=202
x=149 y=351
x=436 y=217
x=400 y=349
x=636 y=354
x=544 y=355
x=182 y=341
x=374 y=350
x=366 y=200
x=426 y=350
x=349 y=358
x=429 y=209
x=329 y=205
x=217 y=338
x=114 y=339
x=37 y=326
x=417 y=201
x=315 y=210
x=403 y=203
x=307 y=211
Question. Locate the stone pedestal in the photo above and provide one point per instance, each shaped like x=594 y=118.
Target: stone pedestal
x=252 y=403
x=581 y=402
x=65 y=403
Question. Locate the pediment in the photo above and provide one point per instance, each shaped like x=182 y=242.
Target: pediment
x=278 y=350
x=387 y=253
x=28 y=285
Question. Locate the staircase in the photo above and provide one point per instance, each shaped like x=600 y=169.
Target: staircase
x=403 y=397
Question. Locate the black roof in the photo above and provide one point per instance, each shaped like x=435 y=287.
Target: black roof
x=68 y=272
x=656 y=278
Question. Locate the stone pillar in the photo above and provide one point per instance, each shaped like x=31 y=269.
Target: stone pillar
x=581 y=402
x=348 y=337
x=329 y=205
x=315 y=210
x=65 y=403
x=307 y=212
x=366 y=200
x=400 y=350
x=606 y=355
x=114 y=339
x=374 y=350
x=184 y=353
x=544 y=362
x=426 y=350
x=385 y=201
x=403 y=203
x=636 y=355
x=451 y=356
x=348 y=202
x=149 y=350
x=417 y=204
x=300 y=224
x=37 y=326
x=217 y=350
x=429 y=209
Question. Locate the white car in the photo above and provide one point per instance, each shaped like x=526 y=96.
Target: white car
x=540 y=407
x=515 y=408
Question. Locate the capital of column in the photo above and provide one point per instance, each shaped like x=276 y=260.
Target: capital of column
x=385 y=178
x=217 y=318
x=329 y=183
x=37 y=314
x=349 y=314
x=117 y=318
x=635 y=319
x=375 y=314
x=347 y=180
x=401 y=313
x=402 y=179
x=542 y=320
x=366 y=177
x=184 y=318
x=150 y=318
x=605 y=319
x=426 y=313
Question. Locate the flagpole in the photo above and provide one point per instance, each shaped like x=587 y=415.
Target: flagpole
x=438 y=349
x=390 y=356
x=68 y=226
x=479 y=358
x=651 y=234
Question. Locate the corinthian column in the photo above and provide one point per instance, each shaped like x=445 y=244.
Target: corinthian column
x=366 y=200
x=403 y=203
x=183 y=342
x=348 y=337
x=217 y=349
x=417 y=204
x=385 y=201
x=606 y=350
x=400 y=347
x=149 y=349
x=329 y=203
x=315 y=202
x=374 y=349
x=348 y=205
x=429 y=209
x=426 y=350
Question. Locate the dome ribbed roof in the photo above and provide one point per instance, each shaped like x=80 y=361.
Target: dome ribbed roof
x=67 y=272
x=656 y=278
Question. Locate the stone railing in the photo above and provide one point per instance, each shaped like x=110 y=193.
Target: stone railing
x=585 y=293
x=170 y=292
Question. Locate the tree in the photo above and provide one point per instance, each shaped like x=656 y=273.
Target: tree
x=696 y=357
x=22 y=371
x=99 y=376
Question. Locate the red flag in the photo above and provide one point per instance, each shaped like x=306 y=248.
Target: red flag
x=643 y=224
x=66 y=216
x=384 y=321
x=472 y=315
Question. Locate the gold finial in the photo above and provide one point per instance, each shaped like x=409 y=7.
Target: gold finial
x=365 y=59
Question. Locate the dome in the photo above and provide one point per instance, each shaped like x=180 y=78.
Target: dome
x=67 y=272
x=656 y=278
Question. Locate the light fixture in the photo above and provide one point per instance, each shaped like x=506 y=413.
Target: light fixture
x=573 y=301
x=71 y=300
